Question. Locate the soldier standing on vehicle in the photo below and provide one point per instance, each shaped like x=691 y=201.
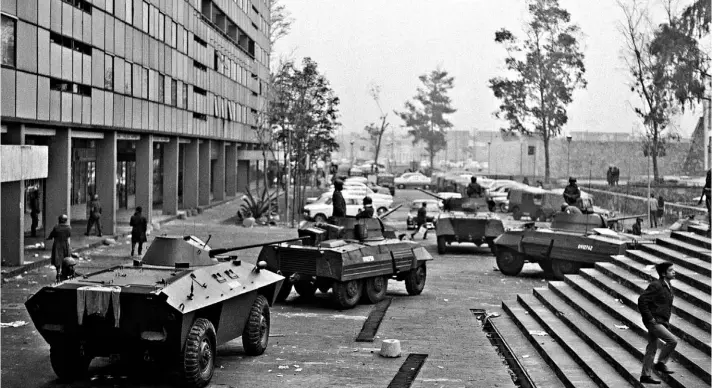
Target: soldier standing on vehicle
x=367 y=211
x=474 y=190
x=572 y=192
x=655 y=306
x=337 y=200
x=421 y=219
x=706 y=192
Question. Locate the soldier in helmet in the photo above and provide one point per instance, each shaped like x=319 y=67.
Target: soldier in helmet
x=572 y=192
x=367 y=211
x=474 y=190
x=337 y=199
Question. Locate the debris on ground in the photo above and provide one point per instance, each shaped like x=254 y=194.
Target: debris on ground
x=13 y=324
x=540 y=333
x=622 y=327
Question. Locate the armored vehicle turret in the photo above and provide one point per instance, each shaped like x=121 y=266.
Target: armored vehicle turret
x=573 y=241
x=355 y=258
x=461 y=222
x=176 y=305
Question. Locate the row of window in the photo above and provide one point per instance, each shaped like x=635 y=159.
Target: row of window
x=69 y=87
x=82 y=5
x=69 y=43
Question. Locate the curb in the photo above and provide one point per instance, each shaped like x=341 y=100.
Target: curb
x=43 y=262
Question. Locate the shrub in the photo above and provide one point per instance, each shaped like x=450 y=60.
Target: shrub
x=258 y=206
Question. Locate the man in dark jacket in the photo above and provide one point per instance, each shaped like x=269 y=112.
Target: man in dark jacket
x=139 y=226
x=94 y=216
x=337 y=200
x=420 y=220
x=367 y=211
x=474 y=190
x=572 y=192
x=34 y=211
x=655 y=306
x=61 y=235
x=706 y=191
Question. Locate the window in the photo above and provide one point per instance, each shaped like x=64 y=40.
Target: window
x=144 y=23
x=185 y=41
x=83 y=5
x=161 y=27
x=110 y=6
x=185 y=96
x=129 y=12
x=9 y=39
x=108 y=72
x=174 y=92
x=128 y=81
x=69 y=87
x=144 y=82
x=174 y=34
x=161 y=88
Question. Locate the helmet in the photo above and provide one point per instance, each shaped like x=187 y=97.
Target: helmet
x=367 y=200
x=338 y=184
x=572 y=180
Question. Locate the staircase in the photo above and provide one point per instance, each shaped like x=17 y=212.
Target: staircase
x=587 y=328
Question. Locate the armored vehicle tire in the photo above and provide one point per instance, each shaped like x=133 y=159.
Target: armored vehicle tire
x=510 y=262
x=415 y=280
x=284 y=291
x=347 y=294
x=376 y=288
x=563 y=267
x=255 y=336
x=198 y=361
x=305 y=288
x=442 y=243
x=67 y=361
x=516 y=213
x=320 y=218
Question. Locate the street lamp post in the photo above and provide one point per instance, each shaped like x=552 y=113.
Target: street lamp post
x=352 y=152
x=489 y=153
x=568 y=155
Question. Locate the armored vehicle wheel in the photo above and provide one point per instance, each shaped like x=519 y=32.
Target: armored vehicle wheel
x=348 y=293
x=491 y=245
x=255 y=336
x=441 y=244
x=415 y=280
x=198 y=361
x=305 y=288
x=563 y=267
x=503 y=207
x=376 y=288
x=284 y=291
x=516 y=213
x=320 y=218
x=510 y=262
x=68 y=362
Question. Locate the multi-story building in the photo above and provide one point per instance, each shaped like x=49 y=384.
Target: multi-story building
x=136 y=101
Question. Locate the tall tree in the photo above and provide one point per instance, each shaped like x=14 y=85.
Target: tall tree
x=375 y=131
x=425 y=114
x=662 y=75
x=305 y=113
x=546 y=67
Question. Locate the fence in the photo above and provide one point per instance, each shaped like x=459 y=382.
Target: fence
x=630 y=204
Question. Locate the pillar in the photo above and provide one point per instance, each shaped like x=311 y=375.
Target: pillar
x=231 y=169
x=204 y=175
x=12 y=220
x=219 y=173
x=58 y=183
x=170 y=176
x=243 y=175
x=190 y=174
x=106 y=156
x=144 y=175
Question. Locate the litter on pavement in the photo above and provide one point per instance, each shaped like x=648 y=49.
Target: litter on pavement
x=13 y=324
x=538 y=332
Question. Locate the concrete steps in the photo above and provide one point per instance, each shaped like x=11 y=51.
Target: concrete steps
x=702 y=230
x=591 y=319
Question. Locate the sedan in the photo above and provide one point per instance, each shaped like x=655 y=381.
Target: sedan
x=412 y=179
x=433 y=208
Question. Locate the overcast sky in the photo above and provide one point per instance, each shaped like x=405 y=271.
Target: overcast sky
x=360 y=42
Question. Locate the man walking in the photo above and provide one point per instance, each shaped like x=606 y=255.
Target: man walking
x=94 y=216
x=34 y=211
x=337 y=200
x=653 y=211
x=139 y=225
x=61 y=235
x=655 y=306
x=706 y=192
x=420 y=220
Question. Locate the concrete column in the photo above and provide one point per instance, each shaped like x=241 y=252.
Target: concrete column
x=144 y=175
x=13 y=222
x=58 y=183
x=106 y=161
x=170 y=176
x=190 y=174
x=231 y=169
x=219 y=173
x=243 y=175
x=204 y=173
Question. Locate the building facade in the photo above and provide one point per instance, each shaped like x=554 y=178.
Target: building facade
x=141 y=102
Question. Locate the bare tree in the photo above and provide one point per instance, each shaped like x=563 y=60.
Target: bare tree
x=375 y=132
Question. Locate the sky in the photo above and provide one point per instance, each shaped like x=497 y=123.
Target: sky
x=358 y=43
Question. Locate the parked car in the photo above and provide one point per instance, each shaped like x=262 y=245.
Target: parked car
x=433 y=208
x=322 y=208
x=497 y=195
x=412 y=180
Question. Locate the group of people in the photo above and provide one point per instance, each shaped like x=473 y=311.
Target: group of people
x=613 y=175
